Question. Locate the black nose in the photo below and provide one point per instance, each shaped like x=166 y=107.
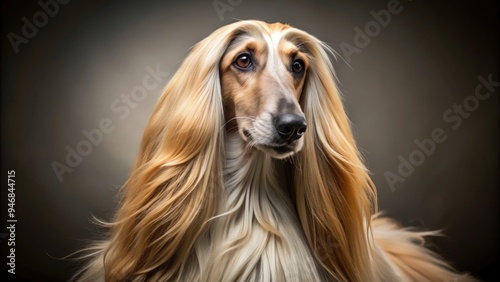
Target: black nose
x=290 y=126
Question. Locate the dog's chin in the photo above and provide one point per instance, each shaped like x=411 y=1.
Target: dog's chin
x=278 y=152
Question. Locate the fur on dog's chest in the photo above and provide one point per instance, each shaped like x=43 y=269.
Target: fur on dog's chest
x=257 y=236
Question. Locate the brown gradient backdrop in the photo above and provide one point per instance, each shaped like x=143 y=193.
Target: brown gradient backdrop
x=65 y=79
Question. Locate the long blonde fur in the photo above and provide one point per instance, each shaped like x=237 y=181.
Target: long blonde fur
x=201 y=205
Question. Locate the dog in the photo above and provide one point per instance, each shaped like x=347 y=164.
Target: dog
x=248 y=171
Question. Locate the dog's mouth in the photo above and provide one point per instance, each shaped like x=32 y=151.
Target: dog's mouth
x=280 y=149
x=275 y=149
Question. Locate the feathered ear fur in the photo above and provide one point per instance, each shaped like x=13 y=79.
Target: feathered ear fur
x=166 y=201
x=334 y=194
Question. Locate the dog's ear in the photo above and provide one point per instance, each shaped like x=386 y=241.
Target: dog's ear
x=172 y=191
x=334 y=194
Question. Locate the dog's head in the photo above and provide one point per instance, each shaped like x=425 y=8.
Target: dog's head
x=262 y=79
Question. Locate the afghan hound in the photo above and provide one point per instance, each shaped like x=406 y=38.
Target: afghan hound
x=248 y=171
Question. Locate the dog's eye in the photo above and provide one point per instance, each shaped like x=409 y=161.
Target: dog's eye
x=298 y=66
x=243 y=61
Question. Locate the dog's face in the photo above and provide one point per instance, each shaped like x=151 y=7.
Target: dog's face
x=262 y=77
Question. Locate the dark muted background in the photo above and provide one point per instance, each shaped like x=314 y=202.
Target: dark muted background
x=66 y=78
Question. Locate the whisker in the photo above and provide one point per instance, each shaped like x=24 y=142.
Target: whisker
x=234 y=118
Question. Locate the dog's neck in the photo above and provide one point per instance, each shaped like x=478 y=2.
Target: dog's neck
x=248 y=172
x=256 y=236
